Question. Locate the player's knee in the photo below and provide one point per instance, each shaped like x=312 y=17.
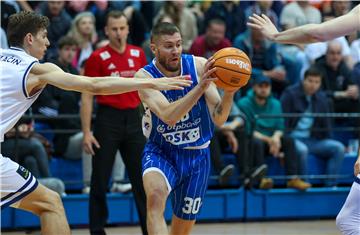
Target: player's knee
x=51 y=202
x=156 y=199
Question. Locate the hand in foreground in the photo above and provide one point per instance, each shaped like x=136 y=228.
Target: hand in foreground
x=173 y=83
x=205 y=78
x=264 y=24
x=88 y=142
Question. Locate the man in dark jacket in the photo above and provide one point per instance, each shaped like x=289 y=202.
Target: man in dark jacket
x=312 y=134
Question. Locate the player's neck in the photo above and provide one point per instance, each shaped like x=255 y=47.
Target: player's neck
x=26 y=49
x=120 y=49
x=166 y=72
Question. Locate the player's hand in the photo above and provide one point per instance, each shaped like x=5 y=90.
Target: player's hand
x=88 y=142
x=206 y=78
x=357 y=167
x=173 y=83
x=264 y=25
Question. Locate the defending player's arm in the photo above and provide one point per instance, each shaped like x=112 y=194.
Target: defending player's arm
x=171 y=113
x=219 y=108
x=42 y=74
x=309 y=33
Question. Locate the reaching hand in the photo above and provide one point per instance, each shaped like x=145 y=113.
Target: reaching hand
x=205 y=78
x=264 y=24
x=174 y=83
x=88 y=142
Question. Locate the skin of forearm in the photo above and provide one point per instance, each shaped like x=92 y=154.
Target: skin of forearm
x=85 y=113
x=223 y=109
x=178 y=109
x=300 y=35
x=113 y=86
x=262 y=137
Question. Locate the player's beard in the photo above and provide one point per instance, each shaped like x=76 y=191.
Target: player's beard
x=168 y=67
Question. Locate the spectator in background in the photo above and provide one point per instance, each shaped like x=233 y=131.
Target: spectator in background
x=137 y=23
x=337 y=83
x=355 y=74
x=60 y=22
x=298 y=13
x=312 y=134
x=355 y=51
x=28 y=149
x=117 y=124
x=295 y=14
x=83 y=31
x=212 y=41
x=97 y=8
x=183 y=18
x=268 y=133
x=263 y=7
x=264 y=58
x=232 y=135
x=231 y=13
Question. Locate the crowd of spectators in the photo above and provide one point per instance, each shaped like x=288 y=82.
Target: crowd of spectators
x=300 y=79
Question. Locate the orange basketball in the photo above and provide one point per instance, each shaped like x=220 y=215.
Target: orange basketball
x=233 y=68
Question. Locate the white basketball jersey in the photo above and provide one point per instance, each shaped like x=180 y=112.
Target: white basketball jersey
x=15 y=65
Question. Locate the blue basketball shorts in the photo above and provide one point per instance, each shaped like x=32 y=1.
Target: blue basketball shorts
x=186 y=173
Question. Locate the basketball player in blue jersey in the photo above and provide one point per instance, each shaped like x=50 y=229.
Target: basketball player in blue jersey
x=179 y=126
x=22 y=79
x=348 y=219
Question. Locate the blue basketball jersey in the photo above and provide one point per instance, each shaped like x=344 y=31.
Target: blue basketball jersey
x=194 y=129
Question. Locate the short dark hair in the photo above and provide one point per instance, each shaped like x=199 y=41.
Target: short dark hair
x=114 y=14
x=163 y=28
x=23 y=23
x=216 y=21
x=313 y=71
x=66 y=41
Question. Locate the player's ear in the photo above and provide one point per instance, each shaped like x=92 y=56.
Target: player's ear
x=29 y=38
x=153 y=48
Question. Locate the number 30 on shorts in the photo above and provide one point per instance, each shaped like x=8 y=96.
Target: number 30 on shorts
x=192 y=206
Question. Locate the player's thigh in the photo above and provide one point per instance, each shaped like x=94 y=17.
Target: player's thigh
x=188 y=198
x=41 y=200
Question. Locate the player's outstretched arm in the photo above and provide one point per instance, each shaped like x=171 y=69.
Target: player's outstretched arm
x=309 y=33
x=42 y=74
x=171 y=113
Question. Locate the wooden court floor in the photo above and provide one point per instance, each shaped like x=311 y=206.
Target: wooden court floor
x=311 y=227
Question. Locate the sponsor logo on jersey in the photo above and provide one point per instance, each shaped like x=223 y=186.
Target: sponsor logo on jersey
x=111 y=66
x=183 y=137
x=241 y=64
x=135 y=52
x=23 y=172
x=105 y=55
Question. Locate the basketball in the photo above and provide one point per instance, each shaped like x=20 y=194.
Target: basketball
x=233 y=68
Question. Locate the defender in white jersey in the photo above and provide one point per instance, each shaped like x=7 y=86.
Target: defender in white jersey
x=22 y=79
x=348 y=219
